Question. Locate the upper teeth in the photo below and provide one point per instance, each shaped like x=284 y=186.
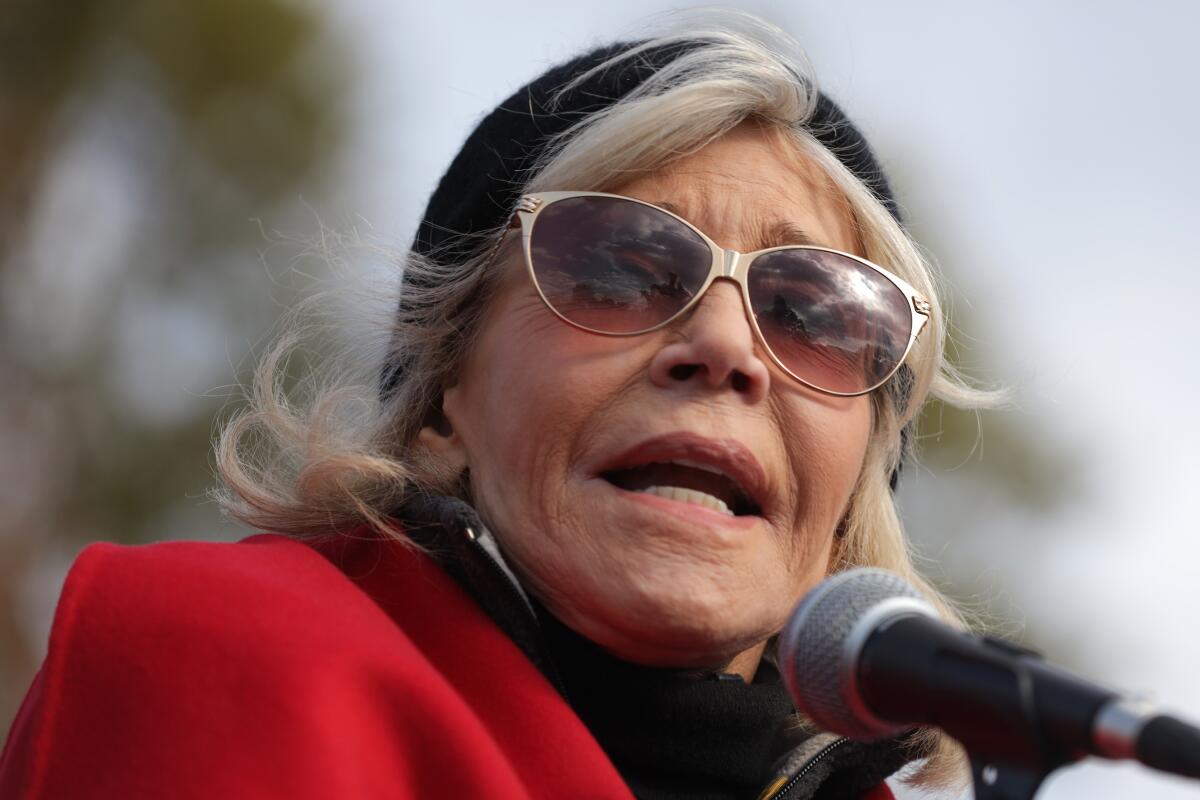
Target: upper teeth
x=689 y=496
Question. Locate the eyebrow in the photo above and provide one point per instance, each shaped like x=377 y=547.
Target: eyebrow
x=774 y=233
x=780 y=233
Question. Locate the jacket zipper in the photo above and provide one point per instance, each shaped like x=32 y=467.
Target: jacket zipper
x=804 y=770
x=516 y=591
x=473 y=537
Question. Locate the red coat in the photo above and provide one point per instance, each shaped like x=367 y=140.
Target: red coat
x=260 y=669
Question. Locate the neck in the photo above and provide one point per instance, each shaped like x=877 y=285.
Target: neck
x=746 y=664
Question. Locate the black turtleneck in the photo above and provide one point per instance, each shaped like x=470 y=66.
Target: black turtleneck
x=671 y=733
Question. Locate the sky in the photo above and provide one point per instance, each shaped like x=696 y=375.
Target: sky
x=1044 y=154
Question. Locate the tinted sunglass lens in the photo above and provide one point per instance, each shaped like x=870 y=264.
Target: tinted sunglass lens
x=834 y=322
x=614 y=265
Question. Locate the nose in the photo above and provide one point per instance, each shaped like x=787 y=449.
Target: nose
x=714 y=349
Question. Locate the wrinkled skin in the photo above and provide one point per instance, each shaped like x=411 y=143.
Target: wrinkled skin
x=540 y=406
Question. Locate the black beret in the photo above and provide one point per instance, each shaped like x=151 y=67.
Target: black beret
x=479 y=190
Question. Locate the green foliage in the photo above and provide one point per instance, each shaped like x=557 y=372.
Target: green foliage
x=221 y=112
x=1001 y=447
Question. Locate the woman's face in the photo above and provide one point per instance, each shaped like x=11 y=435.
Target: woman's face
x=550 y=419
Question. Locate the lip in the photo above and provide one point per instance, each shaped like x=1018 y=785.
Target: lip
x=728 y=455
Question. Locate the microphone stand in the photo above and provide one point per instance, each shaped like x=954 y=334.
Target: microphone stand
x=995 y=780
x=1010 y=773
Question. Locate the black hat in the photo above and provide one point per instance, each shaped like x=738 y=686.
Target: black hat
x=481 y=187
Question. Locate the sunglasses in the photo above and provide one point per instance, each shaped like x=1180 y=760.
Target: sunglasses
x=617 y=266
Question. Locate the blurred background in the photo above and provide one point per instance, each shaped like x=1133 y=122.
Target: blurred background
x=154 y=154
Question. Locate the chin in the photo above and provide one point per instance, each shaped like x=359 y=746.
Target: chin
x=672 y=629
x=682 y=652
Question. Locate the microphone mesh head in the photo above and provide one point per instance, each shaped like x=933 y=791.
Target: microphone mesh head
x=813 y=649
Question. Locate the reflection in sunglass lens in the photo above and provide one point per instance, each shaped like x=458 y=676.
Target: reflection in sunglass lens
x=616 y=266
x=834 y=322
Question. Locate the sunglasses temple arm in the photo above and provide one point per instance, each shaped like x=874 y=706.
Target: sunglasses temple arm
x=515 y=222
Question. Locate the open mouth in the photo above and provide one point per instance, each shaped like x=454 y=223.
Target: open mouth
x=687 y=482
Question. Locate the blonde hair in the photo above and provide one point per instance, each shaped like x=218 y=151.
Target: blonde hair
x=333 y=454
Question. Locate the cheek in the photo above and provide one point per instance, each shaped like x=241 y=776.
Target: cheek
x=522 y=404
x=829 y=441
x=843 y=437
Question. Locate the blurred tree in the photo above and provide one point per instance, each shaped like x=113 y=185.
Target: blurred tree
x=1018 y=464
x=1001 y=462
x=138 y=139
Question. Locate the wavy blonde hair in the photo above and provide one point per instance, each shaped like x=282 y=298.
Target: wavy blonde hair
x=330 y=455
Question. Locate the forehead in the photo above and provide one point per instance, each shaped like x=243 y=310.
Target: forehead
x=747 y=193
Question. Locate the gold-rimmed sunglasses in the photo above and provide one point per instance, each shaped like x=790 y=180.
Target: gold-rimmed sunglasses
x=618 y=266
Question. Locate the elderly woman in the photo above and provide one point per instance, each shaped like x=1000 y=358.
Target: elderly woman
x=659 y=340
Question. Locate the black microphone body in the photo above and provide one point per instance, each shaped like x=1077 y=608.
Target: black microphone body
x=988 y=694
x=864 y=655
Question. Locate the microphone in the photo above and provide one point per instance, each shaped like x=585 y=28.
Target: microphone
x=865 y=656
